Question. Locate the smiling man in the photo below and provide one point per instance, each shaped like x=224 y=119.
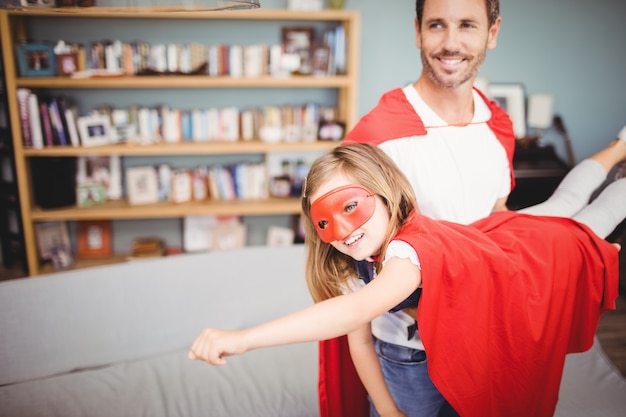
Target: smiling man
x=456 y=148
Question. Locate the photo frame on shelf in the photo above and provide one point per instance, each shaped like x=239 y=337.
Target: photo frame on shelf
x=53 y=243
x=95 y=130
x=91 y=194
x=94 y=239
x=38 y=3
x=512 y=99
x=279 y=236
x=229 y=236
x=51 y=236
x=36 y=60
x=331 y=130
x=320 y=60
x=67 y=64
x=298 y=41
x=100 y=170
x=142 y=185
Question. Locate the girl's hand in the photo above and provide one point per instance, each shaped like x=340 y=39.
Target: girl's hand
x=213 y=345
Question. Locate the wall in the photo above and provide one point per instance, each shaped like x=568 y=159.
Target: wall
x=572 y=49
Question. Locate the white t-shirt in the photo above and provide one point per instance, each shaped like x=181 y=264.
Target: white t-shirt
x=457 y=173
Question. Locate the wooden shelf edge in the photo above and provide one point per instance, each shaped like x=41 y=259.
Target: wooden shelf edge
x=121 y=209
x=193 y=148
x=139 y=13
x=185 y=81
x=82 y=263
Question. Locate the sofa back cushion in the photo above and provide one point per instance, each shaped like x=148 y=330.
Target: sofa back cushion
x=79 y=319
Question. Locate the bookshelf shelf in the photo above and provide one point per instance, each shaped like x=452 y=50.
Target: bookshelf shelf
x=186 y=81
x=212 y=148
x=17 y=25
x=121 y=209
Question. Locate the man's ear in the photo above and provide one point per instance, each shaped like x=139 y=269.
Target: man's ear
x=492 y=38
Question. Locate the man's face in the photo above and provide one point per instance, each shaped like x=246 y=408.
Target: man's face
x=453 y=37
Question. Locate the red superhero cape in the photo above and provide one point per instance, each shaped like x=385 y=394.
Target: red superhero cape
x=503 y=301
x=394 y=117
x=340 y=391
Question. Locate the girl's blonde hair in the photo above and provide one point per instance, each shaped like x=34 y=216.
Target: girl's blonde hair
x=327 y=269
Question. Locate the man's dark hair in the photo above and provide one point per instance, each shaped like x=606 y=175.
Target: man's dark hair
x=493 y=10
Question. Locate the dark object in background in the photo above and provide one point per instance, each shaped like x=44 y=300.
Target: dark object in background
x=54 y=182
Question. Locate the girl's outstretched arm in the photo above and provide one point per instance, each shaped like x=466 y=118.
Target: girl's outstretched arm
x=331 y=318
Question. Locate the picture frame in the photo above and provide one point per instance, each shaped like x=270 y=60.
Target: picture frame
x=94 y=130
x=228 y=236
x=320 y=58
x=298 y=41
x=280 y=236
x=331 y=130
x=512 y=99
x=105 y=170
x=67 y=64
x=88 y=195
x=36 y=60
x=53 y=243
x=50 y=235
x=94 y=239
x=142 y=185
x=38 y=3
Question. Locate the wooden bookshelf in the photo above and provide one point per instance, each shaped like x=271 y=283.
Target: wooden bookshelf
x=15 y=24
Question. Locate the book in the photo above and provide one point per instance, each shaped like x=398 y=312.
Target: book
x=71 y=115
x=35 y=121
x=55 y=121
x=235 y=58
x=44 y=115
x=186 y=125
x=23 y=106
x=64 y=104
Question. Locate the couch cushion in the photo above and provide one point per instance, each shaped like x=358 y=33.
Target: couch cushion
x=100 y=316
x=275 y=382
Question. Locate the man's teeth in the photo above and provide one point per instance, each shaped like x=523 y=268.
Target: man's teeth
x=353 y=239
x=451 y=61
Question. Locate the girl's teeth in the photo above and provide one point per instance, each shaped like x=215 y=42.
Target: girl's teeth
x=354 y=239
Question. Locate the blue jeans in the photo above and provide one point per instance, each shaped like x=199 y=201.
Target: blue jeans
x=406 y=374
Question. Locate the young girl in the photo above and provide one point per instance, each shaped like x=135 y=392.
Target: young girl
x=502 y=302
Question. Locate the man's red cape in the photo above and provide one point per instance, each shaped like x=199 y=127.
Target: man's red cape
x=341 y=393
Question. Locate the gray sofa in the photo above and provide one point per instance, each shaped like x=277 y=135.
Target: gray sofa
x=113 y=342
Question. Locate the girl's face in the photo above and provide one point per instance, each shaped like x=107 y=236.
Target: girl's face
x=349 y=219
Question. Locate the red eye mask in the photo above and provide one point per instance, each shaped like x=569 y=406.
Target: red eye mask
x=341 y=211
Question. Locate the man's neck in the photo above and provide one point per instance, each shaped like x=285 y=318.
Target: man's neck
x=454 y=105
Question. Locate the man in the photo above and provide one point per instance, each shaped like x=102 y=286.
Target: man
x=456 y=148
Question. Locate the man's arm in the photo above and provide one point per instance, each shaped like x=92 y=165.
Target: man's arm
x=500 y=204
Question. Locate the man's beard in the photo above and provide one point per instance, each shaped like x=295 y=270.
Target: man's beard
x=469 y=74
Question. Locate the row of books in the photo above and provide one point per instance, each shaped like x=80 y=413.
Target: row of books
x=54 y=121
x=150 y=184
x=234 y=60
x=153 y=183
x=47 y=120
x=162 y=123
